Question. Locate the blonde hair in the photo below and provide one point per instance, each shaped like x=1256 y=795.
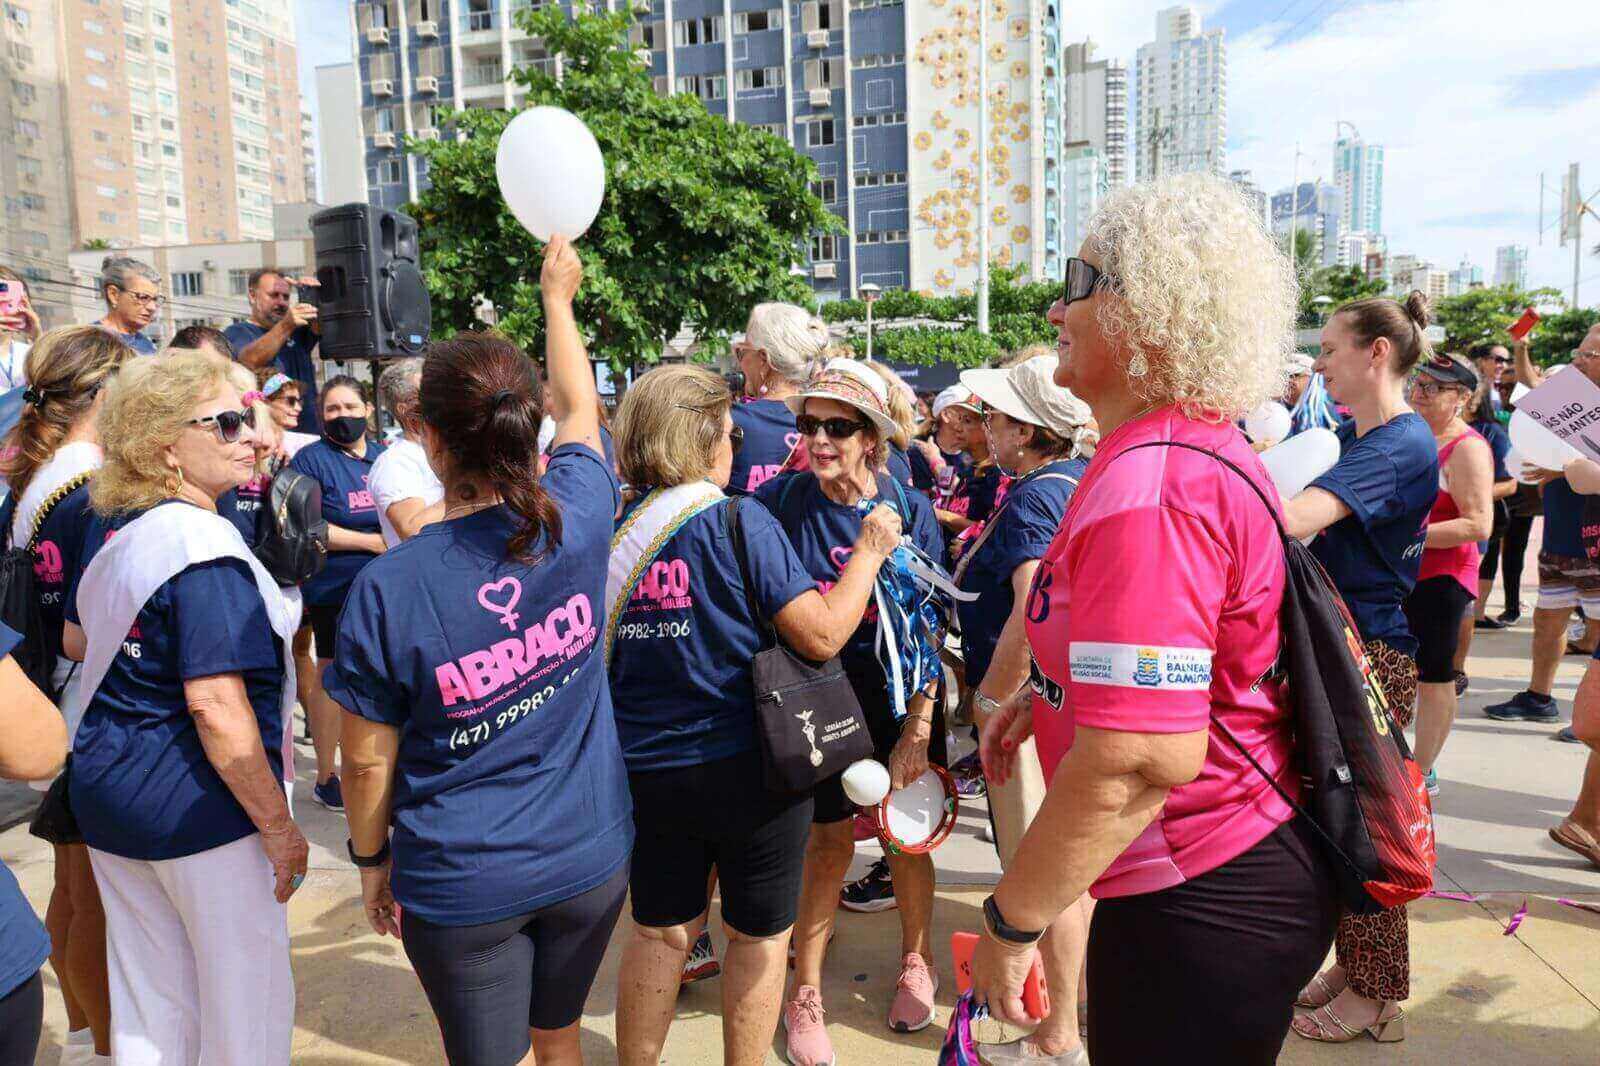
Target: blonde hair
x=147 y=407
x=1205 y=296
x=66 y=369
x=792 y=337
x=902 y=404
x=268 y=435
x=669 y=426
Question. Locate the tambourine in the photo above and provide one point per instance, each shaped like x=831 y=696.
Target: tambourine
x=918 y=818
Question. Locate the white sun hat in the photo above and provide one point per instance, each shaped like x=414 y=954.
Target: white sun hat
x=1028 y=393
x=848 y=382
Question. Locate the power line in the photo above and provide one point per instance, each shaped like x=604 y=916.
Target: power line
x=1283 y=38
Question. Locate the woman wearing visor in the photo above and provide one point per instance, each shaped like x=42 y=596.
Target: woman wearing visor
x=1040 y=435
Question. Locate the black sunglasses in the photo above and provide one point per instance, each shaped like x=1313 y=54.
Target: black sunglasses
x=836 y=428
x=227 y=423
x=1082 y=280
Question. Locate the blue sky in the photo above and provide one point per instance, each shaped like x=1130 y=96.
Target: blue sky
x=1472 y=100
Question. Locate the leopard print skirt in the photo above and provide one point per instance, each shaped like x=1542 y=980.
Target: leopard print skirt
x=1375 y=949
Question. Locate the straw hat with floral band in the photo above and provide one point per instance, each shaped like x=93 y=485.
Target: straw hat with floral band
x=1028 y=393
x=848 y=382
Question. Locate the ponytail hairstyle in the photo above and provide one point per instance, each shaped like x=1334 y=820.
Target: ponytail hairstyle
x=480 y=395
x=1400 y=322
x=65 y=369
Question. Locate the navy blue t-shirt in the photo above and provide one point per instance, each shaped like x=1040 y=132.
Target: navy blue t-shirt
x=294 y=359
x=24 y=944
x=900 y=467
x=1499 y=445
x=1027 y=521
x=137 y=341
x=242 y=507
x=59 y=547
x=975 y=496
x=1389 y=479
x=824 y=534
x=142 y=786
x=1563 y=520
x=922 y=475
x=769 y=438
x=347 y=502
x=509 y=789
x=680 y=666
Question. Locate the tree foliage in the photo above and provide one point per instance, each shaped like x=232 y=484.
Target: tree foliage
x=702 y=218
x=1340 y=285
x=1482 y=316
x=1557 y=336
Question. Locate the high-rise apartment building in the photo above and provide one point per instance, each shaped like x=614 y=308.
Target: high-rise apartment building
x=1511 y=265
x=1180 y=93
x=1253 y=193
x=1085 y=180
x=1313 y=208
x=1358 y=175
x=1465 y=277
x=308 y=144
x=883 y=95
x=1096 y=107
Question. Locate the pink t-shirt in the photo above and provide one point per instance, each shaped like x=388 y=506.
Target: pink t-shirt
x=1155 y=608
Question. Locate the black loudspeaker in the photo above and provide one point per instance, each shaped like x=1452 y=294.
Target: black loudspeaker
x=372 y=302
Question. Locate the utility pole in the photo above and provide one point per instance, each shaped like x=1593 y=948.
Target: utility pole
x=983 y=168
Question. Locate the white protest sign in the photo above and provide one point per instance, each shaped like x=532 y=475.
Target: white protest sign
x=1568 y=405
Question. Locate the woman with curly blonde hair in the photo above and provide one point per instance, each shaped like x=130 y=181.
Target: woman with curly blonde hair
x=1153 y=613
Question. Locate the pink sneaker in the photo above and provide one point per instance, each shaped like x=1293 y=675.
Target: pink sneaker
x=806 y=1042
x=912 y=1008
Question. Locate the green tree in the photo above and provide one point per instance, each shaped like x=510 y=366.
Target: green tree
x=96 y=244
x=702 y=218
x=1483 y=315
x=1555 y=338
x=1325 y=291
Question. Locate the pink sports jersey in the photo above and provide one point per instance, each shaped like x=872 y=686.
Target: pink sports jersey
x=1155 y=608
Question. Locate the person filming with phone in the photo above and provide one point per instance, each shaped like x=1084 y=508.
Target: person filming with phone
x=281 y=331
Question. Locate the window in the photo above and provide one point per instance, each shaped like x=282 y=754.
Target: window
x=890 y=118
x=97 y=82
x=18 y=16
x=187 y=283
x=109 y=192
x=389 y=172
x=705 y=86
x=887 y=59
x=824 y=247
x=826 y=189
x=30 y=169
x=697 y=31
x=108 y=217
x=96 y=28
x=819 y=132
x=94 y=55
x=24 y=92
x=238 y=282
x=758 y=21
x=169 y=150
x=167 y=125
x=105 y=162
x=887 y=236
x=761 y=78
x=31 y=201
x=21 y=53
x=134 y=42
x=777 y=129
x=174 y=201
x=867 y=180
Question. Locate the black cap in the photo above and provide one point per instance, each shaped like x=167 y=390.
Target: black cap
x=1445 y=369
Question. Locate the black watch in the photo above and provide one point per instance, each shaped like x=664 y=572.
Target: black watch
x=367 y=862
x=997 y=926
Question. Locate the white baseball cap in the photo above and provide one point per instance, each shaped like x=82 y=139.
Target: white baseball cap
x=954 y=396
x=1028 y=393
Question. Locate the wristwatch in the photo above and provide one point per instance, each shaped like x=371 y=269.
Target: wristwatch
x=367 y=862
x=984 y=704
x=996 y=923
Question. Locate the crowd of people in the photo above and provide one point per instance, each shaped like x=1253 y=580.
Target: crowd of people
x=521 y=632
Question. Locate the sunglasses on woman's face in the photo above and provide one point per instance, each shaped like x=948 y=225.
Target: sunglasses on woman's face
x=836 y=428
x=226 y=424
x=1082 y=280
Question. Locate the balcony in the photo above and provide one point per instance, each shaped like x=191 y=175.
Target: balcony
x=479 y=21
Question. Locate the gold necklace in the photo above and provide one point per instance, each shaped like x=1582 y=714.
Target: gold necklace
x=470 y=508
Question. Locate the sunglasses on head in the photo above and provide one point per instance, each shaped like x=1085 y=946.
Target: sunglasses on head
x=836 y=428
x=227 y=423
x=1082 y=280
x=736 y=437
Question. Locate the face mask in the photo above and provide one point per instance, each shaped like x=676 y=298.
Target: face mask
x=345 y=431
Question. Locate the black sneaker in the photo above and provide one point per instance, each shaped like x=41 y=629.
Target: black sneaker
x=1524 y=707
x=1461 y=684
x=329 y=794
x=872 y=893
x=1489 y=623
x=1511 y=617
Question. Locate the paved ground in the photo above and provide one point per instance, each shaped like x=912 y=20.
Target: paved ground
x=1479 y=996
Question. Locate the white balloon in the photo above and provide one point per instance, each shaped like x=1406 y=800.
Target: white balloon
x=866 y=782
x=551 y=173
x=1268 y=422
x=1300 y=460
x=1538 y=445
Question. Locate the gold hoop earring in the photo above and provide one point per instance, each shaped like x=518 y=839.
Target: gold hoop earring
x=173 y=483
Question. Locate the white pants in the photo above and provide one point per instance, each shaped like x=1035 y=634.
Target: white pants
x=197 y=950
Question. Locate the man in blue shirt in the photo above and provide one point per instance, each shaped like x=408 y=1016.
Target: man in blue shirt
x=1567 y=576
x=282 y=333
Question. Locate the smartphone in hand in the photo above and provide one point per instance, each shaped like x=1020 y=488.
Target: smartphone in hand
x=1035 y=991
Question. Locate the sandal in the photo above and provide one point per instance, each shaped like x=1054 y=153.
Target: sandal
x=1574 y=837
x=1316 y=994
x=1327 y=1027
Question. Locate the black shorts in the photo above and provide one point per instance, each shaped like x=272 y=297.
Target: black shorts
x=692 y=818
x=489 y=984
x=1434 y=611
x=323 y=618
x=54 y=822
x=830 y=803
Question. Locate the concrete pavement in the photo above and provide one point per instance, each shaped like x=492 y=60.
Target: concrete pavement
x=1478 y=996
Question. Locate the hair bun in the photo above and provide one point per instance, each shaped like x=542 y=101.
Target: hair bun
x=1418 y=308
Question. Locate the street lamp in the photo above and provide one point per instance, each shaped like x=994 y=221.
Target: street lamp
x=1322 y=303
x=869 y=292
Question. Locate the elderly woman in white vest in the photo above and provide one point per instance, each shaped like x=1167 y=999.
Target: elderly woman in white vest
x=178 y=761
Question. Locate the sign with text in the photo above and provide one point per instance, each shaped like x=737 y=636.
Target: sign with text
x=1568 y=405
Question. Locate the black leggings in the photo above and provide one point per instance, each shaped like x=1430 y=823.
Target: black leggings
x=1513 y=548
x=1208 y=970
x=21 y=1021
x=1433 y=611
x=489 y=984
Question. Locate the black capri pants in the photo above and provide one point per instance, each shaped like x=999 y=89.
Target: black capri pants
x=1207 y=971
x=489 y=984
x=21 y=1022
x=689 y=819
x=1434 y=611
x=323 y=618
x=872 y=692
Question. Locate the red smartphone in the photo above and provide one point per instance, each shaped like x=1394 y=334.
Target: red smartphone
x=1035 y=991
x=1524 y=325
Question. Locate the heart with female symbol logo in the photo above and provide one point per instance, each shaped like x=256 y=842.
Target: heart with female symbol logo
x=508 y=589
